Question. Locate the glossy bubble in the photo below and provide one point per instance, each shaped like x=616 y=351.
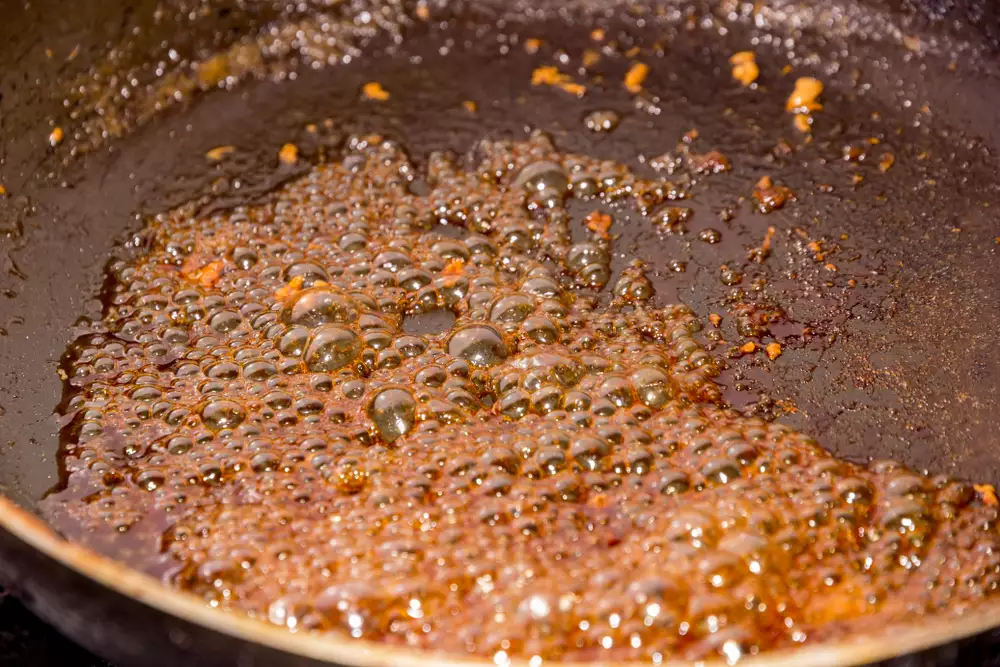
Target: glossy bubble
x=331 y=348
x=480 y=345
x=393 y=413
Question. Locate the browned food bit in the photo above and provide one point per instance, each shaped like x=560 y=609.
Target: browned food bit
x=773 y=350
x=744 y=66
x=712 y=162
x=987 y=493
x=206 y=275
x=549 y=75
x=373 y=90
x=56 y=136
x=590 y=58
x=597 y=34
x=769 y=196
x=805 y=96
x=469 y=106
x=532 y=45
x=803 y=122
x=749 y=347
x=635 y=77
x=289 y=154
x=218 y=153
x=3 y=191
x=599 y=223
x=763 y=251
x=454 y=267
x=885 y=164
x=294 y=285
x=715 y=319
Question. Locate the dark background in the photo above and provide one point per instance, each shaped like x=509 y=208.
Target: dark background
x=25 y=640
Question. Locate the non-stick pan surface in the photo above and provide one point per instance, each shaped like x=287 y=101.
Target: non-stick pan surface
x=893 y=355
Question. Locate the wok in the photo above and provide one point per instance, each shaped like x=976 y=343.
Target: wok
x=900 y=365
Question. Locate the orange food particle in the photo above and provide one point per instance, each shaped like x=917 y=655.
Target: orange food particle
x=373 y=90
x=888 y=159
x=788 y=407
x=766 y=245
x=773 y=350
x=748 y=348
x=423 y=12
x=219 y=152
x=532 y=45
x=987 y=493
x=3 y=191
x=599 y=223
x=600 y=501
x=547 y=75
x=56 y=136
x=911 y=42
x=804 y=97
x=293 y=286
x=289 y=154
x=597 y=34
x=469 y=106
x=769 y=196
x=745 y=69
x=715 y=319
x=803 y=122
x=830 y=266
x=635 y=77
x=454 y=267
x=209 y=274
x=590 y=57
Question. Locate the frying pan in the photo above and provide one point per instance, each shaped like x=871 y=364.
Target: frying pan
x=893 y=356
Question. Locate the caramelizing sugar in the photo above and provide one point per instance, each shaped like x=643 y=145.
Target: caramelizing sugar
x=414 y=407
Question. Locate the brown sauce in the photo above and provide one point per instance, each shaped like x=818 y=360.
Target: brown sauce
x=435 y=420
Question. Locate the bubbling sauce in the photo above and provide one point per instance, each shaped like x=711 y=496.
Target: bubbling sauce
x=427 y=416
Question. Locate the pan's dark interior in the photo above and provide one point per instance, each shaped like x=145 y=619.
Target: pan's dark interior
x=900 y=365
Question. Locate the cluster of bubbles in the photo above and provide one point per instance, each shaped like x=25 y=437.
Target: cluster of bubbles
x=409 y=407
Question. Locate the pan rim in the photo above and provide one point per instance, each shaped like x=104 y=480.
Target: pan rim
x=333 y=649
